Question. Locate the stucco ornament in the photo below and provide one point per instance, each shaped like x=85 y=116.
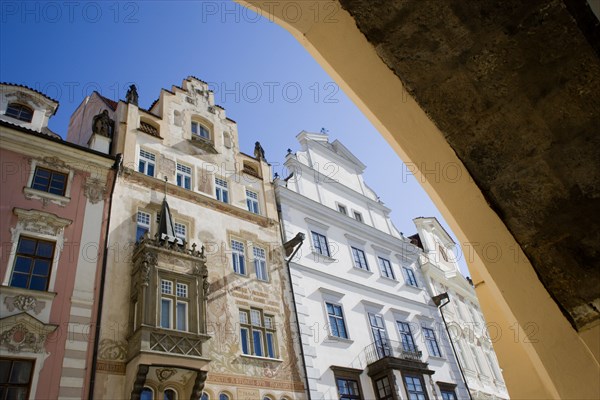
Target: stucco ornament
x=95 y=190
x=19 y=338
x=24 y=303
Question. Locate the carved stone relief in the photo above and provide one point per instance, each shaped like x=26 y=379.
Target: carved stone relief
x=24 y=303
x=95 y=190
x=39 y=222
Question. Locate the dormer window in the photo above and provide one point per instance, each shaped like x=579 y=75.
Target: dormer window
x=200 y=131
x=20 y=112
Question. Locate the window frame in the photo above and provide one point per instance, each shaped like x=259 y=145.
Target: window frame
x=200 y=128
x=377 y=389
x=265 y=330
x=410 y=277
x=238 y=257
x=342 y=209
x=338 y=318
x=175 y=300
x=178 y=225
x=357 y=216
x=253 y=203
x=419 y=377
x=357 y=260
x=260 y=260
x=51 y=179
x=221 y=190
x=148 y=158
x=142 y=224
x=317 y=245
x=32 y=372
x=21 y=107
x=31 y=193
x=408 y=335
x=430 y=339
x=383 y=269
x=34 y=257
x=182 y=177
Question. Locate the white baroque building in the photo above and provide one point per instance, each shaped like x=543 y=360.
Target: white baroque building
x=368 y=326
x=468 y=329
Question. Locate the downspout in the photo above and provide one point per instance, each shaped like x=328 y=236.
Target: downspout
x=438 y=302
x=116 y=167
x=287 y=263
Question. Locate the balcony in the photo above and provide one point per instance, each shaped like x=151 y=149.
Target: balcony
x=378 y=350
x=391 y=354
x=149 y=339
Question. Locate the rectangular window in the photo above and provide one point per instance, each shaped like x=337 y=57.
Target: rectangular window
x=337 y=325
x=380 y=337
x=348 y=389
x=360 y=261
x=320 y=244
x=15 y=378
x=257 y=337
x=358 y=216
x=33 y=263
x=431 y=342
x=415 y=387
x=184 y=176
x=143 y=225
x=383 y=389
x=406 y=337
x=221 y=190
x=252 y=202
x=448 y=395
x=180 y=230
x=174 y=305
x=238 y=257
x=409 y=276
x=146 y=163
x=49 y=181
x=342 y=209
x=386 y=268
x=260 y=264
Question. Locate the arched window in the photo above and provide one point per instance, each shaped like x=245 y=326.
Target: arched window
x=20 y=112
x=147 y=394
x=169 y=394
x=223 y=396
x=200 y=131
x=204 y=396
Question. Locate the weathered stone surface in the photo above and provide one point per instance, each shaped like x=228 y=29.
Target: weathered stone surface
x=515 y=88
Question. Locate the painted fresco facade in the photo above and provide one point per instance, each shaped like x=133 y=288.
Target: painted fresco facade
x=54 y=210
x=208 y=311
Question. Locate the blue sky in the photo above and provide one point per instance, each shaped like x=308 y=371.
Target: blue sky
x=261 y=75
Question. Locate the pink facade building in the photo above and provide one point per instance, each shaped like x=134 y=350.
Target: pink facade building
x=54 y=205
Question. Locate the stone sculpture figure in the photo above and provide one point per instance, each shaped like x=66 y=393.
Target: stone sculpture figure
x=132 y=95
x=259 y=152
x=103 y=125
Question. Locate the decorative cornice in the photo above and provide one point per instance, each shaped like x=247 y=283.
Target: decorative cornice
x=41 y=222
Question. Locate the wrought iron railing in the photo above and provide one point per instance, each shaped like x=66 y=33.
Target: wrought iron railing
x=389 y=348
